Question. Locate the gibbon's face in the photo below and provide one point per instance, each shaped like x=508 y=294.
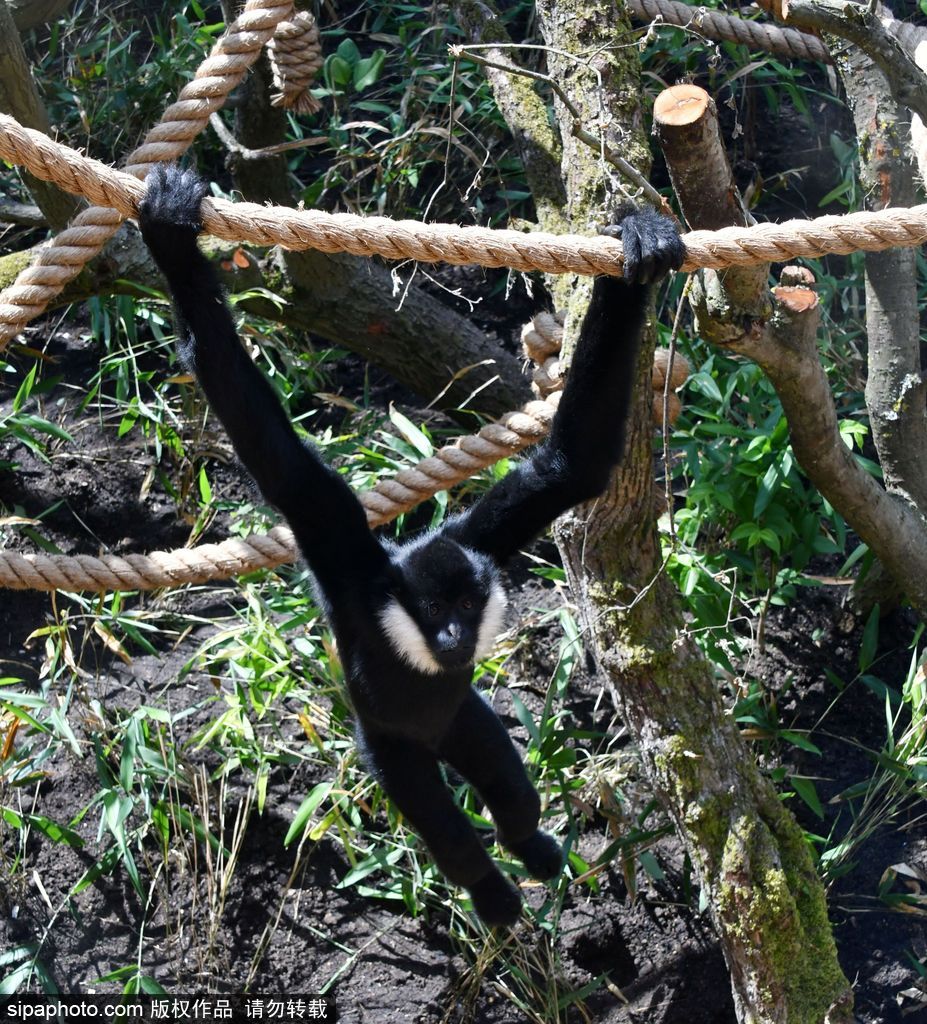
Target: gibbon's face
x=447 y=607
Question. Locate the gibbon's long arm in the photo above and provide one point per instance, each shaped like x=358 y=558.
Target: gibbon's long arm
x=328 y=520
x=587 y=436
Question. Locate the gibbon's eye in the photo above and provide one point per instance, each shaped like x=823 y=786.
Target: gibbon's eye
x=433 y=610
x=466 y=603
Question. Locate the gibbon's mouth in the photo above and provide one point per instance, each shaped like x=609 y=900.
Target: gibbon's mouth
x=459 y=658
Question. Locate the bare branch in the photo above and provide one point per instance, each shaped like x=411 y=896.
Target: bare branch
x=596 y=143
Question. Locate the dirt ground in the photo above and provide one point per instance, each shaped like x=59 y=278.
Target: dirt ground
x=656 y=955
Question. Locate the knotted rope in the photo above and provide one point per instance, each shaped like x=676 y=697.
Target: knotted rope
x=295 y=59
x=91 y=229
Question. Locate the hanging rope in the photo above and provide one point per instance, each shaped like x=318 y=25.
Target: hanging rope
x=91 y=229
x=295 y=59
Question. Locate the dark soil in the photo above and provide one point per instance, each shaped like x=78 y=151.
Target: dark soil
x=654 y=955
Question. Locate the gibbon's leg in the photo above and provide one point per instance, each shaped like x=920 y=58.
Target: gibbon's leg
x=410 y=776
x=480 y=748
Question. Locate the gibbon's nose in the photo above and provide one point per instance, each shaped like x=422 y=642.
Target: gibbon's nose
x=449 y=637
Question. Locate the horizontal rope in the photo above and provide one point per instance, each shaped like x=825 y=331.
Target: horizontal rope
x=448 y=243
x=758 y=35
x=389 y=498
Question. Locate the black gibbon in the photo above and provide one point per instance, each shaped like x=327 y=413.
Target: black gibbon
x=412 y=618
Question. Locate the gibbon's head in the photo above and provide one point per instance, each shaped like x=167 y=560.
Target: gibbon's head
x=447 y=605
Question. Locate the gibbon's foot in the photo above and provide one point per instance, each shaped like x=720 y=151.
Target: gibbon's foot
x=496 y=900
x=541 y=854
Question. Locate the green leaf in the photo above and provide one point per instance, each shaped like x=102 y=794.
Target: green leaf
x=378 y=859
x=870 y=642
x=49 y=828
x=25 y=389
x=411 y=432
x=338 y=72
x=805 y=789
x=799 y=740
x=768 y=487
x=205 y=489
x=103 y=866
x=745 y=531
x=879 y=688
x=769 y=539
x=306 y=809
x=705 y=384
x=651 y=866
x=348 y=51
x=524 y=716
x=367 y=71
x=44 y=426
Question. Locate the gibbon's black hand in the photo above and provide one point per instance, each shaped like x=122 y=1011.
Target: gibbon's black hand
x=587 y=436
x=412 y=618
x=652 y=246
x=171 y=210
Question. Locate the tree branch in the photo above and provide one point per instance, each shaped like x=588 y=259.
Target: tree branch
x=597 y=144
x=895 y=393
x=860 y=24
x=733 y=309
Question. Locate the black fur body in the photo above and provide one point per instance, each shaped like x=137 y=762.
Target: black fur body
x=411 y=619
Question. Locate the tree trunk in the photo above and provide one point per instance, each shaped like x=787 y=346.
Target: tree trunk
x=19 y=97
x=352 y=302
x=765 y=897
x=896 y=393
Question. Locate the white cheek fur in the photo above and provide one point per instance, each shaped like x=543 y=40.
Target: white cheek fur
x=406 y=638
x=493 y=621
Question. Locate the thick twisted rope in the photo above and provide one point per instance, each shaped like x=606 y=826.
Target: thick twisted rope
x=92 y=228
x=451 y=465
x=758 y=35
x=909 y=35
x=397 y=240
x=448 y=243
